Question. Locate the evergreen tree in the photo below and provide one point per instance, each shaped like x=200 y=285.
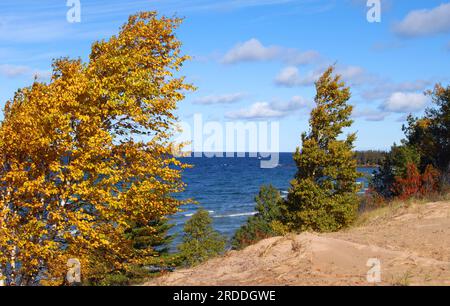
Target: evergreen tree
x=153 y=236
x=423 y=156
x=430 y=135
x=395 y=165
x=152 y=240
x=263 y=224
x=323 y=194
x=200 y=241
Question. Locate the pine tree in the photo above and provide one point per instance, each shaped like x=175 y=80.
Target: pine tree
x=261 y=225
x=200 y=241
x=323 y=194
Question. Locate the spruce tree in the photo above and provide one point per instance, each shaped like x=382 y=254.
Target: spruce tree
x=323 y=194
x=153 y=236
x=153 y=240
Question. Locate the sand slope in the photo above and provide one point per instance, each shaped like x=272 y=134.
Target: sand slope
x=412 y=245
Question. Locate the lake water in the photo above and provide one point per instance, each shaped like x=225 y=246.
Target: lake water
x=226 y=187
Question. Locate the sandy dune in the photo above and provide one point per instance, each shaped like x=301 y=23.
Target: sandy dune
x=411 y=244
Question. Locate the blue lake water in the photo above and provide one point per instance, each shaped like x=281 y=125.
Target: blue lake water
x=226 y=187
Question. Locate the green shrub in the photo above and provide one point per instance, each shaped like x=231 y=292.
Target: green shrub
x=116 y=279
x=263 y=224
x=200 y=241
x=394 y=165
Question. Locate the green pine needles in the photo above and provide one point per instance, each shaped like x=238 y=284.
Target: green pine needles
x=323 y=194
x=200 y=241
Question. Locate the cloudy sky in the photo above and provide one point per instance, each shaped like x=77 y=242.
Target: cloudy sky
x=258 y=59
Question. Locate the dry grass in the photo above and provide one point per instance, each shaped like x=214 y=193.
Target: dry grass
x=402 y=281
x=394 y=208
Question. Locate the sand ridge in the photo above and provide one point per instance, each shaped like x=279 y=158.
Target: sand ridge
x=411 y=244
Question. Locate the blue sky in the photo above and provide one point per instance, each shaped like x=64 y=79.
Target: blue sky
x=257 y=60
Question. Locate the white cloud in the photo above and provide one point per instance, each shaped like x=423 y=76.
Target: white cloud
x=13 y=71
x=254 y=50
x=386 y=88
x=296 y=103
x=265 y=110
x=354 y=75
x=258 y=110
x=425 y=22
x=220 y=99
x=290 y=76
x=400 y=102
x=42 y=74
x=251 y=50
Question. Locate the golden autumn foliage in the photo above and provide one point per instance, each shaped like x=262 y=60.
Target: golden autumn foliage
x=89 y=154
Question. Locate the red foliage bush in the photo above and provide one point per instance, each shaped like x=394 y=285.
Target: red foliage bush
x=430 y=180
x=414 y=184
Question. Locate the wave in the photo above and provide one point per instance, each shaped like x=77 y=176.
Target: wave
x=236 y=215
x=191 y=214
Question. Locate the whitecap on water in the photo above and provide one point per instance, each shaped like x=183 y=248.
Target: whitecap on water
x=191 y=214
x=236 y=215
